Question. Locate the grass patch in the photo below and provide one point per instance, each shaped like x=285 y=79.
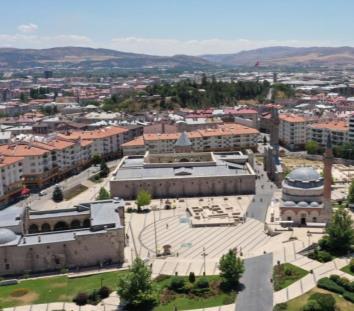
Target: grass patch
x=298 y=303
x=169 y=300
x=60 y=288
x=346 y=269
x=95 y=179
x=286 y=274
x=74 y=191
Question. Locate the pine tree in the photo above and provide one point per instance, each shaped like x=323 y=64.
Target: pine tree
x=103 y=194
x=57 y=195
x=231 y=268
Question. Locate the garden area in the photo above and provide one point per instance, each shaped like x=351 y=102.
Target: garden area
x=286 y=274
x=315 y=301
x=74 y=191
x=139 y=292
x=185 y=293
x=349 y=268
x=52 y=289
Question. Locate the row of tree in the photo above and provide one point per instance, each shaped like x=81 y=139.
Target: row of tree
x=345 y=151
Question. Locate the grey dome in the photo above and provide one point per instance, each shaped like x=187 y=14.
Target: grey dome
x=289 y=203
x=302 y=204
x=6 y=236
x=314 y=204
x=304 y=174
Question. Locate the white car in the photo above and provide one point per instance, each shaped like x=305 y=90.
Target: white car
x=42 y=193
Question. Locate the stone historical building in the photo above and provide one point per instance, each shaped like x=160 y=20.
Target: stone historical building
x=184 y=174
x=306 y=198
x=272 y=162
x=89 y=234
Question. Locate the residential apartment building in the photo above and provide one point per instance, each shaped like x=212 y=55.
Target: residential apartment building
x=226 y=137
x=106 y=142
x=339 y=131
x=38 y=169
x=10 y=178
x=292 y=131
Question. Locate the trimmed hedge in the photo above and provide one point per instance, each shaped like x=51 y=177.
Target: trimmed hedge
x=330 y=285
x=349 y=296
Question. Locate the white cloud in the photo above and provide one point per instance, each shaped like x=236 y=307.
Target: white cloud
x=158 y=46
x=35 y=41
x=27 y=28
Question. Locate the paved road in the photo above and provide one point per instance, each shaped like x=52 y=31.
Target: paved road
x=257 y=294
x=264 y=193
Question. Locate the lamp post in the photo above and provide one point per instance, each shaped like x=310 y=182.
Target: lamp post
x=204 y=257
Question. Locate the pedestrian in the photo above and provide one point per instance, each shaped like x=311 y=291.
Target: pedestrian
x=166 y=226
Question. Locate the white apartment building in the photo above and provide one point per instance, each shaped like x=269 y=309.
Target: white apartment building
x=226 y=137
x=38 y=168
x=292 y=131
x=10 y=178
x=339 y=131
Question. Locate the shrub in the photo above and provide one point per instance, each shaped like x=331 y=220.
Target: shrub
x=344 y=282
x=191 y=277
x=202 y=283
x=288 y=271
x=321 y=256
x=312 y=305
x=104 y=292
x=177 y=284
x=325 y=301
x=93 y=297
x=351 y=287
x=281 y=307
x=349 y=296
x=335 y=278
x=351 y=266
x=328 y=284
x=81 y=299
x=162 y=277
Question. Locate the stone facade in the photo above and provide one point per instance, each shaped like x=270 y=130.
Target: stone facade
x=90 y=234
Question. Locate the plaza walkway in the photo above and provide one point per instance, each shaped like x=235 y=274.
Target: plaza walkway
x=257 y=294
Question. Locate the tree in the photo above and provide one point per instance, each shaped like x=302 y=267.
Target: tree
x=143 y=198
x=103 y=194
x=135 y=287
x=191 y=277
x=96 y=159
x=57 y=195
x=104 y=170
x=351 y=193
x=339 y=236
x=23 y=98
x=231 y=268
x=312 y=147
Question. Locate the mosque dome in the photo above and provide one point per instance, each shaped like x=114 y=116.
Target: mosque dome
x=6 y=236
x=304 y=174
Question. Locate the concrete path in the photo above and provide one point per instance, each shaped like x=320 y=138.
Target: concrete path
x=308 y=282
x=258 y=292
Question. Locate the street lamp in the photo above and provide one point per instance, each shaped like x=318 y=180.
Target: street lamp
x=204 y=257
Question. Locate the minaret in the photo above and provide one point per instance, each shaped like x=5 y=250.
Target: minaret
x=327 y=174
x=274 y=134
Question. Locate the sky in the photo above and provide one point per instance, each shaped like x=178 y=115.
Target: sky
x=169 y=27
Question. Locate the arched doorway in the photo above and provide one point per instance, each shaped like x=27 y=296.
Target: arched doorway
x=75 y=224
x=61 y=225
x=86 y=223
x=33 y=229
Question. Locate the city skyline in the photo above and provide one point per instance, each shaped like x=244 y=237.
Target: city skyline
x=177 y=27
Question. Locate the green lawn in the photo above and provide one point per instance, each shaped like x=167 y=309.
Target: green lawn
x=298 y=303
x=74 y=191
x=346 y=269
x=51 y=289
x=186 y=302
x=286 y=274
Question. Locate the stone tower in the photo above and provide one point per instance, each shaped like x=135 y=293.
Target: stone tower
x=274 y=134
x=327 y=174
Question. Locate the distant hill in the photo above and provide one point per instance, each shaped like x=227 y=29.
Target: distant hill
x=89 y=57
x=287 y=56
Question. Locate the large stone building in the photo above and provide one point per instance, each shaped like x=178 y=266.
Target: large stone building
x=306 y=198
x=184 y=175
x=89 y=234
x=271 y=160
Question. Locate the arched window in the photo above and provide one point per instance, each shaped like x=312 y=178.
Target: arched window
x=45 y=227
x=75 y=224
x=33 y=228
x=61 y=225
x=87 y=223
